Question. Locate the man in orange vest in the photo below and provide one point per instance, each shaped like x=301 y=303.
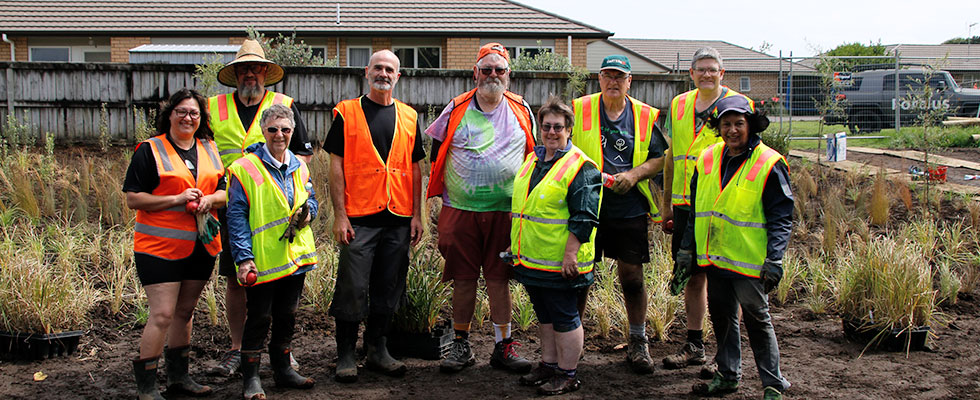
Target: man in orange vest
x=235 y=123
x=482 y=137
x=375 y=146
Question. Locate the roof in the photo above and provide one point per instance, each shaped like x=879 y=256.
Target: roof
x=306 y=17
x=736 y=58
x=186 y=48
x=638 y=55
x=927 y=53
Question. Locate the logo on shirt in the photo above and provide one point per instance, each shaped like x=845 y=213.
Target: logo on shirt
x=620 y=144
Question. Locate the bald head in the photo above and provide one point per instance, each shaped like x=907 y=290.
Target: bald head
x=382 y=71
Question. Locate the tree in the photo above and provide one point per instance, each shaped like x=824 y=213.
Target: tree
x=287 y=51
x=841 y=53
x=959 y=40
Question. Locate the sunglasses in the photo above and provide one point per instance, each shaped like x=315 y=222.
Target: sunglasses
x=488 y=70
x=553 y=128
x=254 y=68
x=274 y=130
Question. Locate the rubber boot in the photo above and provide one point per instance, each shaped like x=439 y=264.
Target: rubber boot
x=346 y=351
x=145 y=372
x=379 y=360
x=283 y=372
x=178 y=378
x=251 y=384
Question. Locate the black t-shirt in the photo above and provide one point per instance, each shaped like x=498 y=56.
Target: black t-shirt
x=142 y=175
x=617 y=154
x=381 y=123
x=299 y=144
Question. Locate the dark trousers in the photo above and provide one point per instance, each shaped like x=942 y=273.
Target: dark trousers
x=272 y=303
x=371 y=273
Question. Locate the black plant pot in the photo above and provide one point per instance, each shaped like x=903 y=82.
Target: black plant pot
x=891 y=340
x=432 y=345
x=33 y=346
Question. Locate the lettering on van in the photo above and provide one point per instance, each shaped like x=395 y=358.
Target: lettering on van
x=917 y=104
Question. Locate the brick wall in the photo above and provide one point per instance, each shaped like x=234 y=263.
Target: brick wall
x=120 y=47
x=343 y=52
x=380 y=44
x=461 y=52
x=20 y=49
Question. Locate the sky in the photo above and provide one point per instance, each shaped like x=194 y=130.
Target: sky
x=805 y=28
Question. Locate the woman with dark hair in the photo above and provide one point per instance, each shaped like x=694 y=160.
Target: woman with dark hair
x=175 y=183
x=743 y=213
x=554 y=211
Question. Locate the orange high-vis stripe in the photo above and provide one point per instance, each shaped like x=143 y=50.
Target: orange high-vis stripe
x=571 y=160
x=371 y=184
x=223 y=108
x=587 y=113
x=460 y=104
x=172 y=233
x=754 y=172
x=252 y=171
x=644 y=120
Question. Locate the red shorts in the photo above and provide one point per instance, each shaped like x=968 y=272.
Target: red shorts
x=470 y=239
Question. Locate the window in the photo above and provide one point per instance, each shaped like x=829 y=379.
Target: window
x=527 y=51
x=419 y=57
x=98 y=56
x=744 y=84
x=320 y=52
x=50 y=54
x=358 y=56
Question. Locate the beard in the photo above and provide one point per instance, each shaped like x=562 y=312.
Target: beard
x=493 y=86
x=250 y=91
x=381 y=84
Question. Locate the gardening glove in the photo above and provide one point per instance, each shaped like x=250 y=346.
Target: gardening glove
x=296 y=222
x=772 y=273
x=207 y=227
x=683 y=270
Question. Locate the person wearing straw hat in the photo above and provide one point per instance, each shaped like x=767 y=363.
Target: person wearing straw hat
x=235 y=123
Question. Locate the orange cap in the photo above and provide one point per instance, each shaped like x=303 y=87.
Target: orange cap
x=495 y=48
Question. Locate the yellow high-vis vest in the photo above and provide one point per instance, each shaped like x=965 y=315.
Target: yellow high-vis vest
x=268 y=217
x=587 y=135
x=729 y=221
x=687 y=144
x=230 y=135
x=539 y=218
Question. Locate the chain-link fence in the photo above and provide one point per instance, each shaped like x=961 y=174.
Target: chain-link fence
x=860 y=94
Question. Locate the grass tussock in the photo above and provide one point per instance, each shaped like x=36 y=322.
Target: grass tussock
x=880 y=201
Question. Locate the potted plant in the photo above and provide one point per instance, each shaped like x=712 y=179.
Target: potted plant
x=885 y=294
x=416 y=331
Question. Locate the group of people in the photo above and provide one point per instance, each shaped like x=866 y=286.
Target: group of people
x=520 y=199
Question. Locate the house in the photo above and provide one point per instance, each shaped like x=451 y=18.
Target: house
x=961 y=60
x=423 y=33
x=753 y=73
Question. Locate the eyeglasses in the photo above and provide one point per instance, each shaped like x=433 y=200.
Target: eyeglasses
x=255 y=68
x=620 y=77
x=274 y=130
x=183 y=112
x=488 y=70
x=553 y=128
x=707 y=71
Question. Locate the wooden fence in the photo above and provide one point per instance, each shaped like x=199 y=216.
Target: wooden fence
x=65 y=99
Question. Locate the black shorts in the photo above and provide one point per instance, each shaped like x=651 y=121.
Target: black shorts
x=226 y=264
x=623 y=239
x=195 y=267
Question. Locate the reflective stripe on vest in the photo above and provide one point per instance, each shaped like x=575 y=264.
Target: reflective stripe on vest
x=268 y=216
x=587 y=135
x=460 y=104
x=230 y=134
x=689 y=142
x=372 y=185
x=171 y=233
x=729 y=221
x=539 y=217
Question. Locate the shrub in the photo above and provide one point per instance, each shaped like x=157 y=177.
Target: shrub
x=425 y=293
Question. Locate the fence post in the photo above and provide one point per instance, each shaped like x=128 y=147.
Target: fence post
x=790 y=91
x=10 y=89
x=779 y=90
x=897 y=102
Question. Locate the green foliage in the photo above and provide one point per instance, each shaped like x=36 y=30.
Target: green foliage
x=425 y=293
x=145 y=126
x=15 y=134
x=858 y=49
x=777 y=139
x=554 y=62
x=206 y=75
x=285 y=50
x=103 y=140
x=959 y=40
x=524 y=315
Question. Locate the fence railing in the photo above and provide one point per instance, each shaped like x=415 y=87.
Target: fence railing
x=65 y=99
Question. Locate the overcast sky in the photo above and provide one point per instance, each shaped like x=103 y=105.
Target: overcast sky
x=797 y=26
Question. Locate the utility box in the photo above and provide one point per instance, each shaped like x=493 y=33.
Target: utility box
x=836 y=146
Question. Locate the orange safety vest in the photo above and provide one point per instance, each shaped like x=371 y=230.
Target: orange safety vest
x=370 y=184
x=460 y=104
x=171 y=233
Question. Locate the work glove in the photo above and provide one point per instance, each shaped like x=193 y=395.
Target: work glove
x=207 y=227
x=772 y=273
x=683 y=270
x=296 y=222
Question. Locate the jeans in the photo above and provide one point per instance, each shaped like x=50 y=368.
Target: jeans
x=272 y=303
x=371 y=273
x=725 y=295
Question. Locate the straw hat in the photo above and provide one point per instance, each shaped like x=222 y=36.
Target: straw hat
x=250 y=52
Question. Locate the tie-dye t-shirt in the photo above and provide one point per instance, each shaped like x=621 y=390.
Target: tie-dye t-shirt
x=487 y=150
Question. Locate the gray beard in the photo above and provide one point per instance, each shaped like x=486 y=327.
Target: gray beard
x=382 y=86
x=493 y=88
x=250 y=91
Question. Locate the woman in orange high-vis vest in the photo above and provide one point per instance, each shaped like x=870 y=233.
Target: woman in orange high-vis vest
x=174 y=179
